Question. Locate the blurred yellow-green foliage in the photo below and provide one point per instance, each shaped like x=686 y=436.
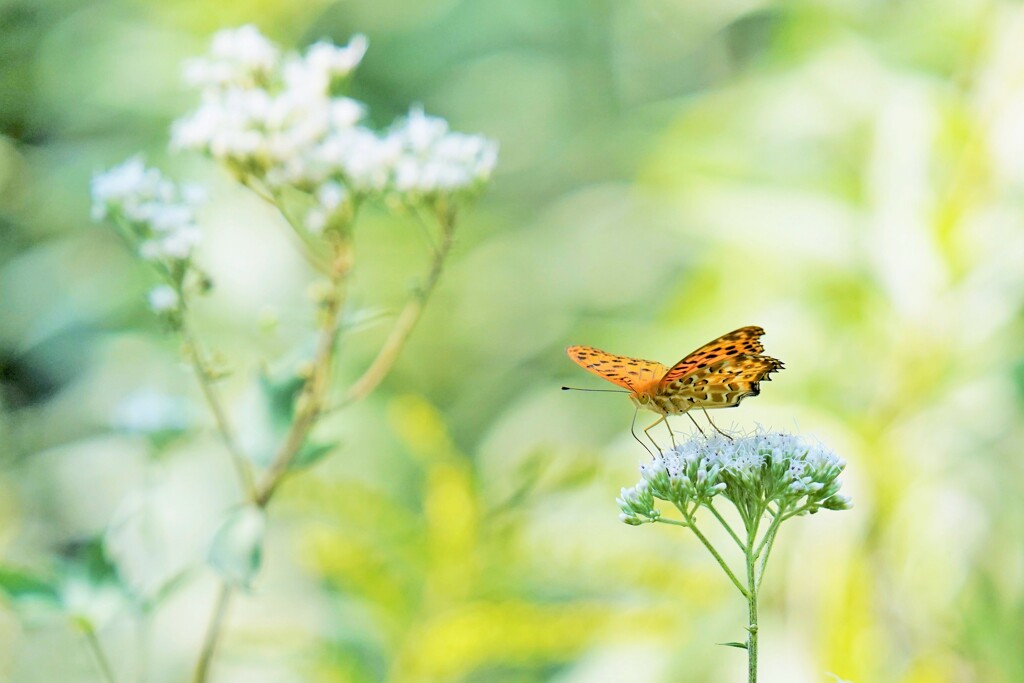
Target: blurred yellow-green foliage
x=848 y=174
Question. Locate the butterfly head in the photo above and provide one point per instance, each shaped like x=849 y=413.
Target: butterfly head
x=643 y=397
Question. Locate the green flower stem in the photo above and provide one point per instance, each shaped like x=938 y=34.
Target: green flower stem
x=725 y=524
x=102 y=662
x=794 y=513
x=752 y=584
x=764 y=558
x=714 y=552
x=204 y=376
x=676 y=522
x=777 y=519
x=764 y=549
x=143 y=629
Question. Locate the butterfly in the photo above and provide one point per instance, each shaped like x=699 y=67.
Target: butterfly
x=719 y=374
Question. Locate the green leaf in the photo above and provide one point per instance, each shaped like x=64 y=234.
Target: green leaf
x=20 y=584
x=88 y=559
x=236 y=552
x=280 y=395
x=312 y=453
x=742 y=646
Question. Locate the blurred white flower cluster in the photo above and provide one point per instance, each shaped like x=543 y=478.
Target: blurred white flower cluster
x=279 y=118
x=159 y=213
x=752 y=472
x=157 y=217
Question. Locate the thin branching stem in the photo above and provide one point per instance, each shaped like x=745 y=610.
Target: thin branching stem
x=777 y=519
x=310 y=402
x=102 y=661
x=764 y=558
x=309 y=406
x=675 y=522
x=752 y=627
x=407 y=319
x=306 y=245
x=714 y=552
x=725 y=524
x=213 y=632
x=204 y=375
x=144 y=627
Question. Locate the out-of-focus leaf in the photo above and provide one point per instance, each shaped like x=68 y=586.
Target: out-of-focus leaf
x=1018 y=378
x=280 y=395
x=236 y=552
x=20 y=584
x=421 y=428
x=311 y=453
x=87 y=558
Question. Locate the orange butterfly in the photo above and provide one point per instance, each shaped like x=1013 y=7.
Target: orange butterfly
x=719 y=374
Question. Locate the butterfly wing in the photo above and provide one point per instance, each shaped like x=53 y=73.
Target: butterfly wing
x=634 y=374
x=721 y=373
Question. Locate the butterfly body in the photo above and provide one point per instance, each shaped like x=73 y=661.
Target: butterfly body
x=719 y=374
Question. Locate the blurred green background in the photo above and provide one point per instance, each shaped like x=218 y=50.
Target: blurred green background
x=848 y=174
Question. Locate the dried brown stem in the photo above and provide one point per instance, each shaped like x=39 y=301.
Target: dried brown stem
x=407 y=319
x=310 y=402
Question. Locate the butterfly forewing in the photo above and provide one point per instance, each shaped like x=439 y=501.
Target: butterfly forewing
x=745 y=340
x=721 y=373
x=634 y=374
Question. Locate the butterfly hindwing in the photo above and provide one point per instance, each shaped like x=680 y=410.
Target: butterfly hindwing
x=634 y=374
x=725 y=383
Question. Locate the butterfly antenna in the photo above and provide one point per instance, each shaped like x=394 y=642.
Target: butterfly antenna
x=609 y=391
x=632 y=430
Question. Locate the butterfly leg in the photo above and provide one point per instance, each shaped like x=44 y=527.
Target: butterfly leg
x=713 y=424
x=671 y=434
x=649 y=428
x=632 y=430
x=695 y=424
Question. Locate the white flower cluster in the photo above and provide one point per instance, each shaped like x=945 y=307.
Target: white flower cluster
x=277 y=117
x=158 y=215
x=751 y=471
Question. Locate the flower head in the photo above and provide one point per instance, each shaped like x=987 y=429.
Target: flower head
x=237 y=56
x=282 y=119
x=155 y=213
x=163 y=299
x=754 y=471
